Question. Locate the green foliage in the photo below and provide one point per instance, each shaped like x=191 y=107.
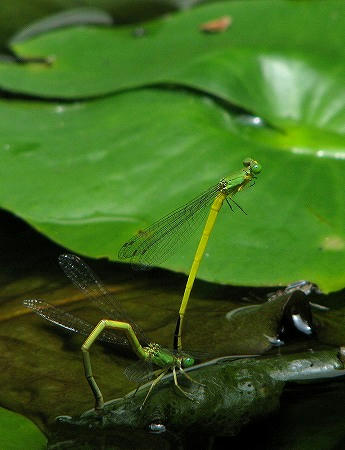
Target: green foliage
x=90 y=174
x=19 y=432
x=89 y=61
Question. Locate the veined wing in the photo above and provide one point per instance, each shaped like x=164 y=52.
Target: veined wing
x=140 y=371
x=70 y=322
x=155 y=243
x=86 y=280
x=198 y=355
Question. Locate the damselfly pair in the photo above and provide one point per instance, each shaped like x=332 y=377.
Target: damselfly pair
x=152 y=245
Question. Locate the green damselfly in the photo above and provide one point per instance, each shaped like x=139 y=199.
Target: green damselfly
x=128 y=333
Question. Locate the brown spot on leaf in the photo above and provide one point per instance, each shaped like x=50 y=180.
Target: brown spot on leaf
x=217 y=25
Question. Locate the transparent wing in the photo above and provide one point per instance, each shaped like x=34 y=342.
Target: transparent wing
x=70 y=322
x=86 y=280
x=140 y=371
x=154 y=244
x=196 y=354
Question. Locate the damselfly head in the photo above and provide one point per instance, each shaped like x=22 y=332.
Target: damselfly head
x=256 y=168
x=187 y=361
x=253 y=165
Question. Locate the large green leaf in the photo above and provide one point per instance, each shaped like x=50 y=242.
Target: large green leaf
x=90 y=61
x=19 y=432
x=89 y=175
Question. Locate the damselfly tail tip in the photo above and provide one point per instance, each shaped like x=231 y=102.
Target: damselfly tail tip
x=28 y=303
x=31 y=303
x=67 y=257
x=62 y=258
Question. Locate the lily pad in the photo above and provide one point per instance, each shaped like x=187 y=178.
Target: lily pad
x=19 y=432
x=89 y=175
x=87 y=61
x=134 y=155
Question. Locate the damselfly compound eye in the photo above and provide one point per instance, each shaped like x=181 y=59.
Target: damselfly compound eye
x=256 y=168
x=188 y=362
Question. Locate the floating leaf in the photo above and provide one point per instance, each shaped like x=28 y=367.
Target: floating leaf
x=89 y=61
x=90 y=175
x=19 y=432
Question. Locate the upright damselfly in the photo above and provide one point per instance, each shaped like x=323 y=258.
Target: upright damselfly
x=155 y=243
